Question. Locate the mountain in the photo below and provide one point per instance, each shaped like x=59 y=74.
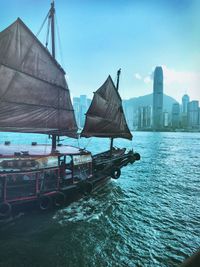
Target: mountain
x=147 y=100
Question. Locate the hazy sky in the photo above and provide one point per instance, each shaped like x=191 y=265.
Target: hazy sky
x=99 y=37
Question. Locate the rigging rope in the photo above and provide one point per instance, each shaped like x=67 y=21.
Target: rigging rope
x=88 y=143
x=43 y=23
x=48 y=27
x=59 y=44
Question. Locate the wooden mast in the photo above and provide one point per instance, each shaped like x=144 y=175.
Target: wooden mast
x=118 y=74
x=51 y=16
x=117 y=87
x=52 y=12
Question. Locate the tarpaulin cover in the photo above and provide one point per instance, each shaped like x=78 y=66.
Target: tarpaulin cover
x=105 y=116
x=34 y=96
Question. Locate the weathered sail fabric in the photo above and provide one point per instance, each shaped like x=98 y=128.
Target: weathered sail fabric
x=105 y=116
x=34 y=96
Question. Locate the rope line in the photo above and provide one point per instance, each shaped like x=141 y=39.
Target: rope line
x=43 y=23
x=47 y=37
x=89 y=141
x=59 y=44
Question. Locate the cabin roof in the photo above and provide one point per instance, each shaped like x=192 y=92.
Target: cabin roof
x=11 y=150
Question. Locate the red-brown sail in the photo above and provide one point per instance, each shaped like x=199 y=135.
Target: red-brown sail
x=105 y=116
x=34 y=96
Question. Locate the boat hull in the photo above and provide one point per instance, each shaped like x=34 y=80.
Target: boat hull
x=104 y=167
x=58 y=200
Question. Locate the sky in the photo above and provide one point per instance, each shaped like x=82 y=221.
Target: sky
x=97 y=37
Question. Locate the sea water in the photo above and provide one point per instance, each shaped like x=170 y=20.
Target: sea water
x=150 y=216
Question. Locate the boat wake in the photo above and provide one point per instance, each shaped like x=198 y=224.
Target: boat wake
x=90 y=208
x=83 y=210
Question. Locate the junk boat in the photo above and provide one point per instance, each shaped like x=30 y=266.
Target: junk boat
x=34 y=98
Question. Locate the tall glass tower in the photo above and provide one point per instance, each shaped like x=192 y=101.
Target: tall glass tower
x=185 y=101
x=158 y=99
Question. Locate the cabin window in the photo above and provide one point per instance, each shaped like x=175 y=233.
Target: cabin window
x=67 y=160
x=82 y=167
x=66 y=170
x=20 y=185
x=52 y=162
x=48 y=180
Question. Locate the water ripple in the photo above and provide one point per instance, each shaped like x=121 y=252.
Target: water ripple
x=149 y=217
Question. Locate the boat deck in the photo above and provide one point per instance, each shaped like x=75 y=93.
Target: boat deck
x=11 y=150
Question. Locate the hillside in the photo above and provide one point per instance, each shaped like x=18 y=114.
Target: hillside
x=148 y=100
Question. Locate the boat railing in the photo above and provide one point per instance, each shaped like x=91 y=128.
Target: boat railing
x=29 y=185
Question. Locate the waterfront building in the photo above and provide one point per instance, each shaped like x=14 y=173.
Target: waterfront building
x=193 y=114
x=175 y=116
x=158 y=99
x=135 y=119
x=183 y=115
x=130 y=114
x=145 y=117
x=185 y=101
x=76 y=105
x=183 y=120
x=165 y=119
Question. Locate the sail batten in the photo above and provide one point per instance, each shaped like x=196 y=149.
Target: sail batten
x=32 y=105
x=34 y=95
x=38 y=78
x=105 y=116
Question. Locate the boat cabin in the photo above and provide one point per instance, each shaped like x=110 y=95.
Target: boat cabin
x=25 y=176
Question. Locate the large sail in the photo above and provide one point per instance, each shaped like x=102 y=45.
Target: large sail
x=34 y=96
x=105 y=116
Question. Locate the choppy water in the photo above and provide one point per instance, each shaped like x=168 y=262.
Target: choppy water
x=149 y=217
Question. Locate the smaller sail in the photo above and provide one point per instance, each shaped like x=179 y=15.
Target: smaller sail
x=105 y=116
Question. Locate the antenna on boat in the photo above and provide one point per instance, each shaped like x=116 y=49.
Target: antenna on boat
x=117 y=87
x=51 y=17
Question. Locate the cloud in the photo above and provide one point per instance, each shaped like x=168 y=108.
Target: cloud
x=137 y=76
x=147 y=79
x=172 y=76
x=177 y=83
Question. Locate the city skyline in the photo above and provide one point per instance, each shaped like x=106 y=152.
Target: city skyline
x=98 y=38
x=154 y=114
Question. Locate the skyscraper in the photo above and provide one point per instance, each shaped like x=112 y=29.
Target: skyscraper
x=158 y=99
x=144 y=117
x=193 y=114
x=76 y=105
x=185 y=101
x=165 y=119
x=184 y=114
x=175 y=115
